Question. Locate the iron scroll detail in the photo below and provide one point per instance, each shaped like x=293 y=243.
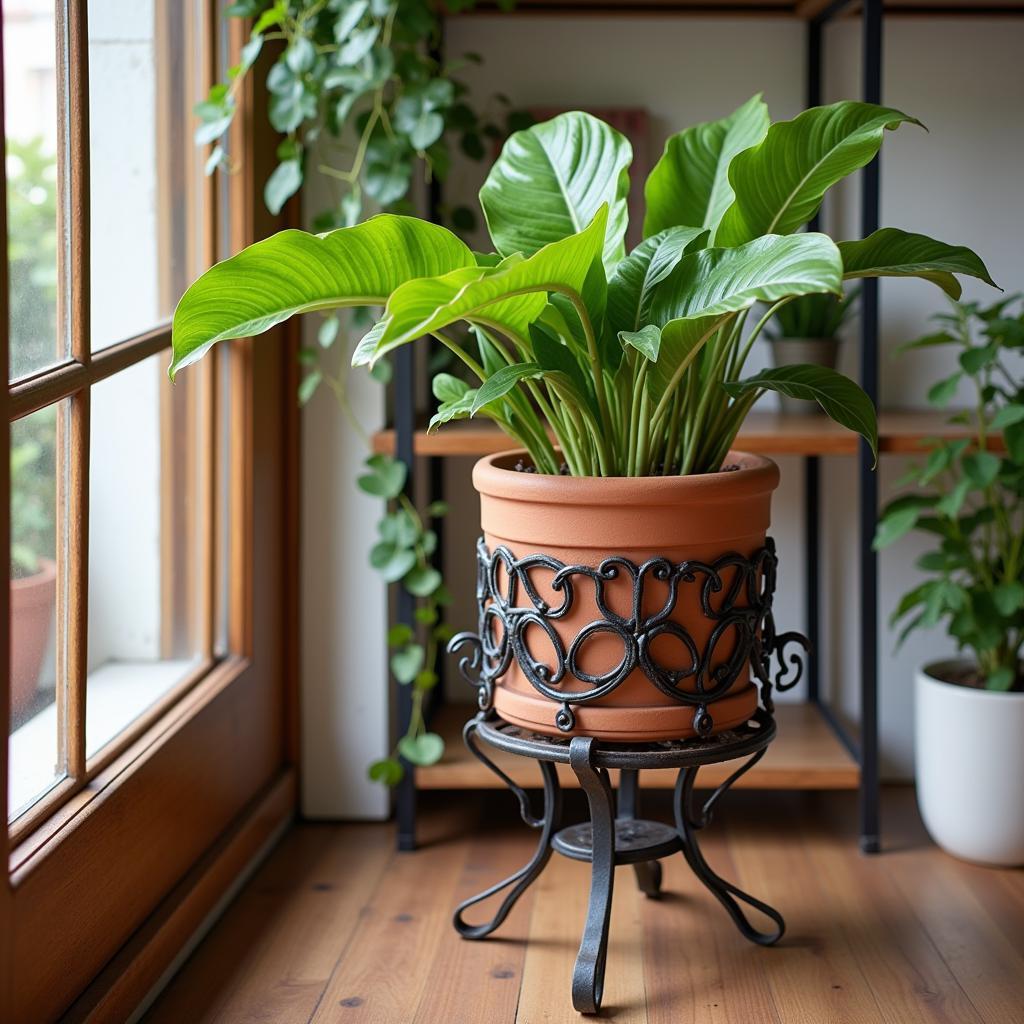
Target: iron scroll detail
x=734 y=592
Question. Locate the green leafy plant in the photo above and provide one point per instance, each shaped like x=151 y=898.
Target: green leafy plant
x=363 y=104
x=634 y=362
x=360 y=100
x=970 y=498
x=812 y=316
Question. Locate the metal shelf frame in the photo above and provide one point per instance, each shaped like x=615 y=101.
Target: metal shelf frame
x=863 y=747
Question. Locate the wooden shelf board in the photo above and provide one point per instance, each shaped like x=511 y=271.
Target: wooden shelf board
x=805 y=755
x=769 y=433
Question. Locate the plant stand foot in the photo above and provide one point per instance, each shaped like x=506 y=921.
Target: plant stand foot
x=688 y=822
x=525 y=876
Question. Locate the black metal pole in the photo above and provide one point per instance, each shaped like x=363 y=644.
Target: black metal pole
x=404 y=420
x=435 y=464
x=812 y=467
x=869 y=782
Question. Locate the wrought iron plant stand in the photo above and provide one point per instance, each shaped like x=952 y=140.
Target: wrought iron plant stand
x=735 y=592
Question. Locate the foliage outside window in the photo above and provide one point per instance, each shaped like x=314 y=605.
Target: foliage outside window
x=32 y=252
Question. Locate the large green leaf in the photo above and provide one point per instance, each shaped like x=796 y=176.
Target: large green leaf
x=551 y=180
x=634 y=280
x=295 y=272
x=779 y=184
x=769 y=268
x=890 y=252
x=507 y=298
x=690 y=183
x=841 y=399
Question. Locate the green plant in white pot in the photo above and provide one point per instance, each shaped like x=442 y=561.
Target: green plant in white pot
x=969 y=497
x=603 y=364
x=807 y=331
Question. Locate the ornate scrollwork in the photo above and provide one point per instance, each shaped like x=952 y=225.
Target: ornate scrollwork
x=735 y=594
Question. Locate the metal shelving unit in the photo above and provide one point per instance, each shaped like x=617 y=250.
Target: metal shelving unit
x=823 y=752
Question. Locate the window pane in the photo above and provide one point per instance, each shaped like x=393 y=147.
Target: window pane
x=146 y=173
x=146 y=567
x=30 y=131
x=36 y=756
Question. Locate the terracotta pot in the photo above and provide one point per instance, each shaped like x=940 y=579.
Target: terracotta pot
x=969 y=763
x=32 y=608
x=584 y=520
x=816 y=351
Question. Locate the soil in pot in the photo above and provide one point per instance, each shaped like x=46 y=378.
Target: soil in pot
x=583 y=521
x=32 y=608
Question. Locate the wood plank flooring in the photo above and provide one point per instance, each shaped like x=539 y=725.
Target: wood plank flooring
x=336 y=928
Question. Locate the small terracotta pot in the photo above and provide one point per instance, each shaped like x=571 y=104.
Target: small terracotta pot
x=584 y=520
x=32 y=607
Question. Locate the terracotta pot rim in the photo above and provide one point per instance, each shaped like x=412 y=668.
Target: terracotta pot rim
x=493 y=476
x=928 y=675
x=46 y=575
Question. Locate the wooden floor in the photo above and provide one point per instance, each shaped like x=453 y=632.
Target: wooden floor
x=336 y=927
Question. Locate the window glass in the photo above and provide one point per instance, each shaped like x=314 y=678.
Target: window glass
x=37 y=673
x=146 y=173
x=31 y=143
x=146 y=579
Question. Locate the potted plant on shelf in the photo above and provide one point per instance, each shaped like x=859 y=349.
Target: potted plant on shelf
x=33 y=575
x=969 y=496
x=634 y=364
x=806 y=330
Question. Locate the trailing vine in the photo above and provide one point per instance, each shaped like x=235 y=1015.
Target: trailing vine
x=362 y=101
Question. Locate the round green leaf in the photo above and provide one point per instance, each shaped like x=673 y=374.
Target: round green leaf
x=387 y=771
x=422 y=581
x=282 y=185
x=422 y=750
x=405 y=663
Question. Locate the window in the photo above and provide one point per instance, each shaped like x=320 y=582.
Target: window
x=149 y=675
x=100 y=639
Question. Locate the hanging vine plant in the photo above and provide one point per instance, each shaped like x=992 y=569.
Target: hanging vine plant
x=363 y=102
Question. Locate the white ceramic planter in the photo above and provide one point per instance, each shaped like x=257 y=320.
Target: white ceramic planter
x=970 y=768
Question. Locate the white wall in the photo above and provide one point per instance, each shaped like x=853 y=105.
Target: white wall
x=962 y=77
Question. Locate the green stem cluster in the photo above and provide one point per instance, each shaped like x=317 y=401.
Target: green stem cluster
x=626 y=427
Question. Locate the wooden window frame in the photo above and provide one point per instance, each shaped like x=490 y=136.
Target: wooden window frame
x=98 y=868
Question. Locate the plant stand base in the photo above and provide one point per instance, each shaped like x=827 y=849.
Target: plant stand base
x=615 y=835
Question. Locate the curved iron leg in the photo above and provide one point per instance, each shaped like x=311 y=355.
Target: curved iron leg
x=728 y=894
x=525 y=876
x=588 y=974
x=648 y=873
